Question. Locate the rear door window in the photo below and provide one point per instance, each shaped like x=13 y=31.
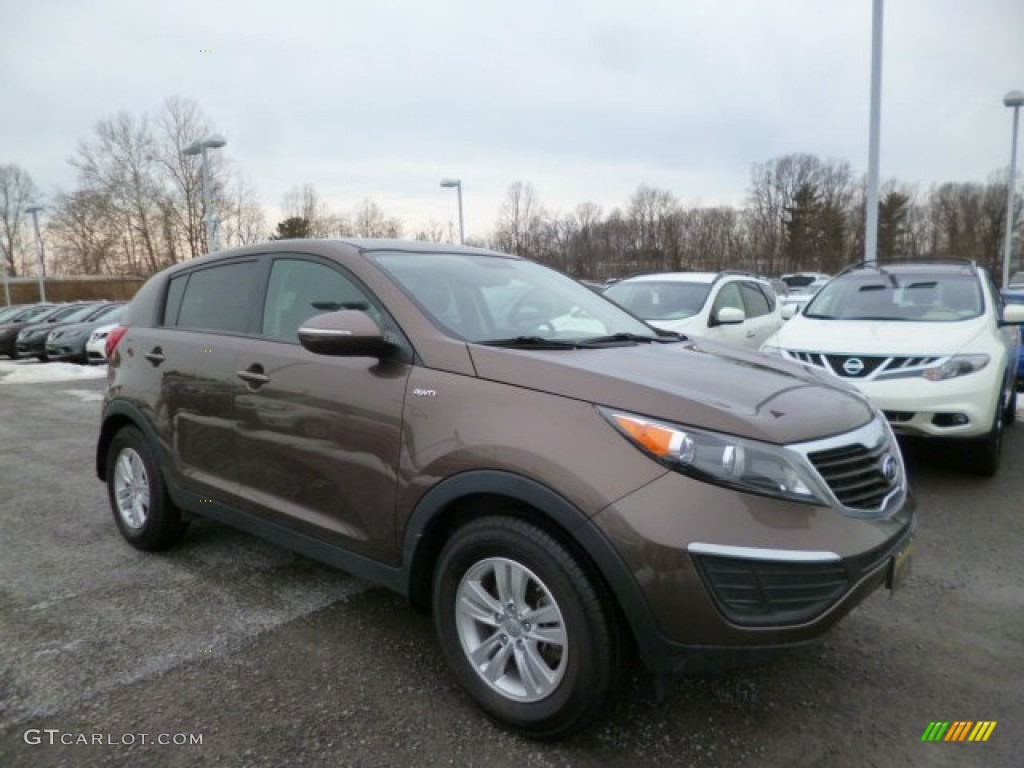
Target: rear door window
x=218 y=298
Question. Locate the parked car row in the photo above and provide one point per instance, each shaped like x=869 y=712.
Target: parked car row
x=57 y=332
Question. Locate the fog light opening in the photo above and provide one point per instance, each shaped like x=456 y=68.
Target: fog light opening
x=950 y=420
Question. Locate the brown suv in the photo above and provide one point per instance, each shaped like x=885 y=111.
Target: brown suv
x=558 y=482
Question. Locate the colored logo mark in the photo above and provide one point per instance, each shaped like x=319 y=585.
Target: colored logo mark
x=959 y=730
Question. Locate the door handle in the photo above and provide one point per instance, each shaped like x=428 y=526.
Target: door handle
x=253 y=376
x=155 y=356
x=751 y=334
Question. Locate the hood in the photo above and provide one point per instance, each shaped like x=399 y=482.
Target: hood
x=691 y=324
x=697 y=383
x=876 y=337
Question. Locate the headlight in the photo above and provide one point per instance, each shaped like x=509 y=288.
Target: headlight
x=734 y=462
x=776 y=351
x=957 y=365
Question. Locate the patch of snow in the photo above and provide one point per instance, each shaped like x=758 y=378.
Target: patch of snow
x=31 y=372
x=85 y=395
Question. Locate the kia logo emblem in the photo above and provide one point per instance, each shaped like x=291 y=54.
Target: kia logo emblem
x=853 y=366
x=888 y=467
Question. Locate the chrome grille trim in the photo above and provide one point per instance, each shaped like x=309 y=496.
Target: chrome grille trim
x=850 y=467
x=881 y=366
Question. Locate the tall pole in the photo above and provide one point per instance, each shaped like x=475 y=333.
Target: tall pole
x=1013 y=99
x=40 y=250
x=462 y=227
x=871 y=224
x=200 y=147
x=457 y=183
x=211 y=230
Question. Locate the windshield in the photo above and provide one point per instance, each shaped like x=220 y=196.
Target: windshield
x=891 y=296
x=486 y=298
x=37 y=313
x=8 y=312
x=74 y=314
x=658 y=301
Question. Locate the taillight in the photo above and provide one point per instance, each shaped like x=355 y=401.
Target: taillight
x=113 y=339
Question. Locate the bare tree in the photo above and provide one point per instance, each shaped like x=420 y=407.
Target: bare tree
x=180 y=122
x=121 y=163
x=369 y=220
x=520 y=221
x=84 y=242
x=243 y=220
x=17 y=192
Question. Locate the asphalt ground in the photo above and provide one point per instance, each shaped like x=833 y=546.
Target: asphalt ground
x=270 y=659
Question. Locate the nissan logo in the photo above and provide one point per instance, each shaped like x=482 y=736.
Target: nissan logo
x=888 y=466
x=853 y=366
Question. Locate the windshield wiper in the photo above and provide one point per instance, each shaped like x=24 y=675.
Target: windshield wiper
x=663 y=337
x=530 y=341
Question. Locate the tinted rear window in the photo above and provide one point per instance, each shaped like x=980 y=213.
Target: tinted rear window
x=217 y=298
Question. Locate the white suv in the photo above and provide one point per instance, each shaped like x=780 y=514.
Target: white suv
x=930 y=344
x=734 y=307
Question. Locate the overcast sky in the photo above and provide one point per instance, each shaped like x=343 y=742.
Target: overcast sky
x=584 y=99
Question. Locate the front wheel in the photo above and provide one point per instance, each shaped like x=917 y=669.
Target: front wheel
x=982 y=455
x=529 y=634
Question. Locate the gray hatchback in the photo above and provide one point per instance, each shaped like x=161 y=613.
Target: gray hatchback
x=560 y=484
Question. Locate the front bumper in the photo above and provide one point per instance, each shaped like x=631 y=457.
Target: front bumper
x=723 y=570
x=65 y=351
x=34 y=347
x=959 y=407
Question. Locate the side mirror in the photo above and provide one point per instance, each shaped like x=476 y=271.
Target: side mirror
x=1013 y=314
x=347 y=333
x=730 y=316
x=789 y=311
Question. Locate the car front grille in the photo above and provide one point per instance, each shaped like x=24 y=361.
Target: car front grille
x=863 y=469
x=854 y=473
x=865 y=366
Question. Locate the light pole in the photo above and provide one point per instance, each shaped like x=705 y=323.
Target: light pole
x=874 y=128
x=1014 y=100
x=34 y=210
x=457 y=183
x=199 y=146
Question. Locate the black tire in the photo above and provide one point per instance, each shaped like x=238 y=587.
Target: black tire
x=42 y=358
x=149 y=526
x=982 y=455
x=592 y=661
x=1010 y=414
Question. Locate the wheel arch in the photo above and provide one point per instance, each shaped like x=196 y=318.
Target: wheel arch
x=116 y=416
x=475 y=493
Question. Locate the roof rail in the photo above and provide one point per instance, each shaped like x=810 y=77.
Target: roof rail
x=742 y=272
x=880 y=266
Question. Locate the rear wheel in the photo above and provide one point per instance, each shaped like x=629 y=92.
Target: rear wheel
x=527 y=632
x=139 y=500
x=1010 y=414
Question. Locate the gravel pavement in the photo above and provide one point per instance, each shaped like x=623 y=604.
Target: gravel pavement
x=271 y=659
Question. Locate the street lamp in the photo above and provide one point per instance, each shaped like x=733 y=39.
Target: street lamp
x=34 y=210
x=457 y=183
x=199 y=146
x=1014 y=100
